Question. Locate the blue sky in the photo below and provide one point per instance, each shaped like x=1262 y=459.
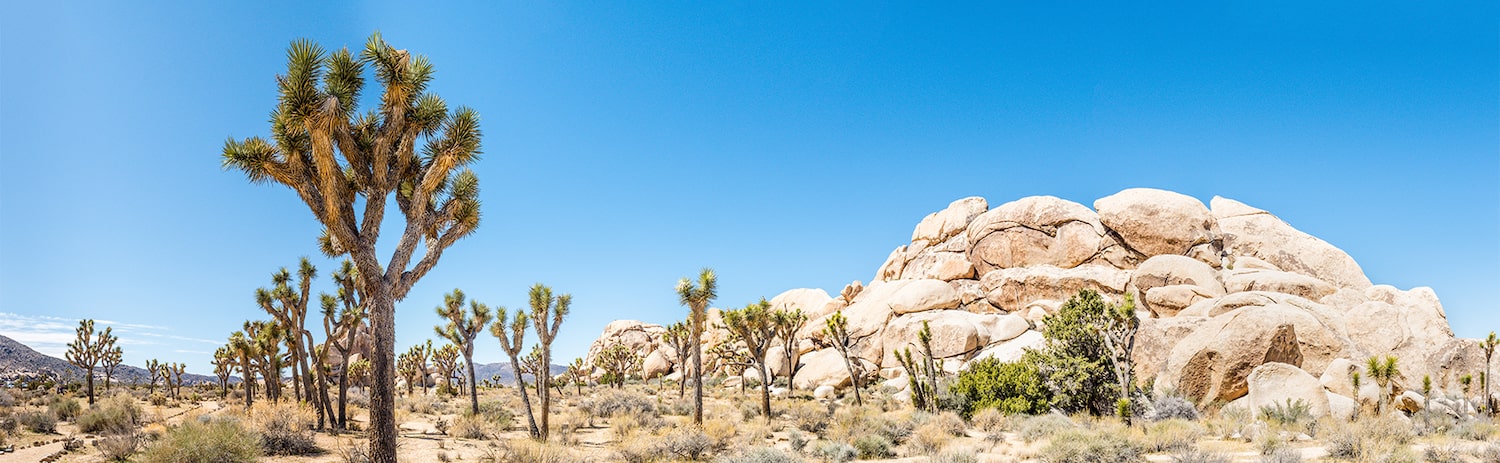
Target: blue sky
x=784 y=144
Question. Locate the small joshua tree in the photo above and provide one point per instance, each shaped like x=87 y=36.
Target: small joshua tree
x=755 y=327
x=1119 y=327
x=511 y=342
x=679 y=337
x=461 y=330
x=578 y=374
x=922 y=371
x=113 y=355
x=445 y=360
x=618 y=362
x=1384 y=373
x=788 y=323
x=86 y=350
x=223 y=368
x=1488 y=344
x=837 y=333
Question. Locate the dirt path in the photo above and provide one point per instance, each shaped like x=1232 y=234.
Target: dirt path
x=32 y=454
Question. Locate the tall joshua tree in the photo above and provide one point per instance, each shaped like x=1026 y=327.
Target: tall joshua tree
x=244 y=350
x=288 y=305
x=153 y=370
x=679 y=337
x=697 y=295
x=113 y=355
x=836 y=331
x=511 y=342
x=788 y=323
x=337 y=158
x=547 y=313
x=340 y=327
x=461 y=330
x=86 y=350
x=1488 y=345
x=755 y=327
x=223 y=368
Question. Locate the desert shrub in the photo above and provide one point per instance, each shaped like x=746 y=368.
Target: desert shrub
x=1282 y=455
x=205 y=441
x=1480 y=429
x=7 y=400
x=119 y=447
x=947 y=422
x=625 y=426
x=469 y=427
x=929 y=438
x=677 y=407
x=158 y=399
x=41 y=422
x=1269 y=442
x=835 y=452
x=614 y=402
x=420 y=403
x=64 y=408
x=1084 y=446
x=530 y=451
x=8 y=422
x=285 y=428
x=118 y=414
x=989 y=420
x=759 y=455
x=1170 y=407
x=1368 y=439
x=1169 y=435
x=809 y=416
x=1488 y=453
x=1010 y=387
x=1193 y=455
x=357 y=396
x=892 y=429
x=497 y=413
x=797 y=440
x=1442 y=454
x=873 y=446
x=957 y=456
x=441 y=425
x=1291 y=414
x=687 y=443
x=356 y=452
x=1032 y=428
x=720 y=431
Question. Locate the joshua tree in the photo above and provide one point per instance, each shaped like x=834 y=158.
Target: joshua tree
x=732 y=357
x=267 y=337
x=618 y=362
x=547 y=313
x=112 y=358
x=1118 y=330
x=679 y=337
x=359 y=373
x=177 y=370
x=755 y=327
x=1354 y=381
x=837 y=333
x=337 y=158
x=86 y=351
x=409 y=367
x=340 y=327
x=461 y=331
x=922 y=371
x=153 y=368
x=420 y=353
x=577 y=373
x=288 y=306
x=788 y=323
x=1488 y=345
x=244 y=350
x=223 y=368
x=512 y=342
x=1466 y=382
x=697 y=295
x=1384 y=373
x=445 y=360
x=531 y=364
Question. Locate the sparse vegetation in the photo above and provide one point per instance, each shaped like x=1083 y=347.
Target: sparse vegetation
x=222 y=440
x=1090 y=446
x=285 y=428
x=115 y=415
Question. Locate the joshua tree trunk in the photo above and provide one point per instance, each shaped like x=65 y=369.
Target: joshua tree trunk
x=382 y=365
x=765 y=392
x=473 y=391
x=89 y=379
x=515 y=364
x=697 y=373
x=344 y=398
x=249 y=394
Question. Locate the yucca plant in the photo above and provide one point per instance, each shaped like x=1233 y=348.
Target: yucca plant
x=338 y=158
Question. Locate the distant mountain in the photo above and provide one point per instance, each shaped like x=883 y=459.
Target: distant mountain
x=19 y=361
x=506 y=374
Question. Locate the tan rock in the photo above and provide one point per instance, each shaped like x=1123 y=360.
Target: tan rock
x=1154 y=342
x=1211 y=364
x=1256 y=233
x=941 y=225
x=1274 y=383
x=1338 y=377
x=1032 y=231
x=1277 y=282
x=1409 y=401
x=1169 y=271
x=1340 y=407
x=1012 y=289
x=1156 y=222
x=944 y=266
x=1005 y=327
x=808 y=300
x=1010 y=351
x=891 y=269
x=909 y=296
x=655 y=365
x=1167 y=301
x=954 y=333
x=824 y=367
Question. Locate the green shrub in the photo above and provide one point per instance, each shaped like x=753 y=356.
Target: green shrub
x=37 y=421
x=205 y=441
x=115 y=415
x=835 y=452
x=873 y=446
x=1074 y=364
x=1292 y=413
x=158 y=399
x=1480 y=429
x=1032 y=428
x=1084 y=446
x=760 y=455
x=1010 y=387
x=809 y=416
x=497 y=413
x=64 y=408
x=895 y=431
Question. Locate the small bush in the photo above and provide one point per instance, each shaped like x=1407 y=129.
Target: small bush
x=677 y=407
x=357 y=452
x=947 y=422
x=420 y=403
x=530 y=451
x=115 y=415
x=835 y=452
x=1368 y=439
x=1172 y=407
x=989 y=420
x=957 y=456
x=686 y=443
x=469 y=427
x=929 y=439
x=797 y=440
x=1174 y=434
x=1032 y=428
x=64 y=408
x=873 y=447
x=809 y=416
x=1477 y=430
x=1488 y=453
x=1193 y=455
x=1282 y=455
x=497 y=413
x=119 y=447
x=1292 y=413
x=205 y=441
x=8 y=423
x=720 y=431
x=759 y=455
x=894 y=430
x=613 y=402
x=7 y=400
x=1081 y=446
x=1010 y=387
x=38 y=422
x=285 y=428
x=1442 y=454
x=158 y=399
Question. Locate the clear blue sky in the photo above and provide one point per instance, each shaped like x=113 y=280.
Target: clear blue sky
x=785 y=145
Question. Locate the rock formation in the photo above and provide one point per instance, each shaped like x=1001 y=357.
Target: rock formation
x=1228 y=295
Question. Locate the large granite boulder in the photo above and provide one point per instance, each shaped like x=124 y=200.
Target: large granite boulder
x=1157 y=222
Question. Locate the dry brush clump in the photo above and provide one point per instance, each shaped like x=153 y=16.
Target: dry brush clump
x=115 y=415
x=285 y=428
x=1172 y=435
x=222 y=440
x=1090 y=446
x=759 y=455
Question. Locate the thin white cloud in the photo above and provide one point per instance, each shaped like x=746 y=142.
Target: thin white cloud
x=181 y=338
x=50 y=335
x=181 y=351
